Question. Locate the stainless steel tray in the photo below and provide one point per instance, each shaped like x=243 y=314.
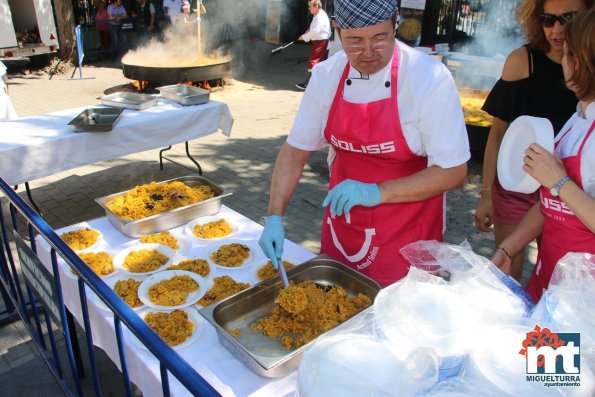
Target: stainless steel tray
x=169 y=219
x=184 y=94
x=129 y=100
x=263 y=355
x=96 y=119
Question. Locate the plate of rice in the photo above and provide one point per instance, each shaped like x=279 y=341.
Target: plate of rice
x=80 y=237
x=174 y=240
x=126 y=287
x=210 y=228
x=194 y=261
x=178 y=328
x=172 y=289
x=233 y=254
x=144 y=259
x=101 y=261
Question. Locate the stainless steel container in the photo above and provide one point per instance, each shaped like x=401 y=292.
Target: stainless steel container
x=96 y=119
x=263 y=355
x=169 y=219
x=129 y=100
x=184 y=94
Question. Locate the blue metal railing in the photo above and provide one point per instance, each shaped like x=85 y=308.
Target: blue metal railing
x=25 y=306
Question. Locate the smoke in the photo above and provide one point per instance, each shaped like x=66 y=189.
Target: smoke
x=225 y=22
x=498 y=34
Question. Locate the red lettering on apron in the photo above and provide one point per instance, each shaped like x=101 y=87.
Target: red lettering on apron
x=369 y=239
x=563 y=232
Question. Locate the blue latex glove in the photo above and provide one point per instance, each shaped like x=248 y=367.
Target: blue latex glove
x=272 y=237
x=349 y=193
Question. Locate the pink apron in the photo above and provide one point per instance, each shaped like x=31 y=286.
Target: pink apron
x=563 y=232
x=371 y=148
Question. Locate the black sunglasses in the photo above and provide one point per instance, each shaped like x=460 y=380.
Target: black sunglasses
x=549 y=20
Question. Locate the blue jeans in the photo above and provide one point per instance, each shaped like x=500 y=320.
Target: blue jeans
x=118 y=39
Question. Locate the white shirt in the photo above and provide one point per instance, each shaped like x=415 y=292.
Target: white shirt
x=320 y=27
x=570 y=144
x=429 y=106
x=174 y=7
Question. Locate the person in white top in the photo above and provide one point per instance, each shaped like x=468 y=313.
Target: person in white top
x=172 y=8
x=394 y=122
x=318 y=33
x=7 y=111
x=565 y=214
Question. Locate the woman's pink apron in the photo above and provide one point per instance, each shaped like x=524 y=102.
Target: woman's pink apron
x=371 y=148
x=563 y=232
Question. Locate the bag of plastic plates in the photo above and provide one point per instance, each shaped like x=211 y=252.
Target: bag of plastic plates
x=569 y=301
x=353 y=365
x=422 y=311
x=474 y=278
x=457 y=387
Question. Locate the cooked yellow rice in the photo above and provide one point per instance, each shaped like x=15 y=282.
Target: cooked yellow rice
x=173 y=291
x=195 y=265
x=128 y=291
x=472 y=101
x=268 y=270
x=223 y=287
x=215 y=229
x=231 y=255
x=174 y=328
x=100 y=262
x=164 y=238
x=154 y=198
x=80 y=239
x=321 y=311
x=143 y=261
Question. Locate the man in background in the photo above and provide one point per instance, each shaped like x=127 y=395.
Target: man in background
x=144 y=18
x=318 y=33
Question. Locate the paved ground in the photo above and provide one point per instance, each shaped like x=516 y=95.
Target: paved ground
x=263 y=101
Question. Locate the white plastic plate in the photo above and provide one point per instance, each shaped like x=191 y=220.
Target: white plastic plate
x=189 y=229
x=121 y=257
x=193 y=297
x=256 y=253
x=193 y=315
x=521 y=133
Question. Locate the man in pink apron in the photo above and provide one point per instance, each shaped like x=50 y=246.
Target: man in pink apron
x=394 y=122
x=318 y=33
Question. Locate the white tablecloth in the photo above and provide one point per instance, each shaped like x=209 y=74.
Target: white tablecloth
x=210 y=359
x=39 y=146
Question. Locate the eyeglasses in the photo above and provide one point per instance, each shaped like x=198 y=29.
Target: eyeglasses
x=549 y=20
x=358 y=49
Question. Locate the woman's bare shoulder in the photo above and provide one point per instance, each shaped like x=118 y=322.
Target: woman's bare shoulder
x=516 y=66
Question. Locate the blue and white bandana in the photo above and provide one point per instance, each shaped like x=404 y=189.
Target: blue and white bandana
x=361 y=13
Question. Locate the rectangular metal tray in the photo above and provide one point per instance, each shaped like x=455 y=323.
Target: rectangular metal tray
x=263 y=355
x=96 y=119
x=184 y=94
x=169 y=219
x=130 y=100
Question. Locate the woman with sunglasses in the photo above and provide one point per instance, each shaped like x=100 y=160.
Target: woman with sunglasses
x=565 y=215
x=532 y=84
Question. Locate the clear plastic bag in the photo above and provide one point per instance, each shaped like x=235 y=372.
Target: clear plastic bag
x=422 y=311
x=569 y=300
x=474 y=277
x=357 y=365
